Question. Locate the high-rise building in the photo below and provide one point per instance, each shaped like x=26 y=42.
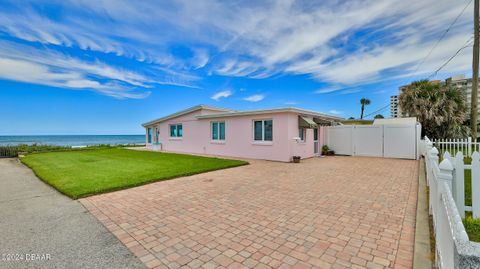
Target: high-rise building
x=394 y=107
x=395 y=111
x=466 y=85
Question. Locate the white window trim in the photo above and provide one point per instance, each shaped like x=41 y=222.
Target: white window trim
x=217 y=141
x=170 y=132
x=302 y=141
x=263 y=141
x=150 y=136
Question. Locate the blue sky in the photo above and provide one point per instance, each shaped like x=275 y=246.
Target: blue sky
x=105 y=67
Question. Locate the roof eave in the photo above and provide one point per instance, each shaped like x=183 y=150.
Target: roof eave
x=267 y=111
x=183 y=112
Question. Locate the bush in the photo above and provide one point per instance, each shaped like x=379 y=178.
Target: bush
x=13 y=151
x=325 y=149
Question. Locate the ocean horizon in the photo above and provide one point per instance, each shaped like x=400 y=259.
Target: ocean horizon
x=71 y=140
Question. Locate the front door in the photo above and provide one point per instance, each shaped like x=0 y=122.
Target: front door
x=315 y=140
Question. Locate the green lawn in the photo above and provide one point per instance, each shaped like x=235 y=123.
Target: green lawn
x=472 y=226
x=87 y=172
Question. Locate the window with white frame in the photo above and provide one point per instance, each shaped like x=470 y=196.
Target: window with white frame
x=149 y=135
x=301 y=134
x=263 y=130
x=176 y=130
x=218 y=131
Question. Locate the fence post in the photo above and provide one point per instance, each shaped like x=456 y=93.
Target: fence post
x=428 y=148
x=476 y=184
x=469 y=147
x=433 y=163
x=446 y=173
x=433 y=156
x=446 y=155
x=459 y=183
x=444 y=251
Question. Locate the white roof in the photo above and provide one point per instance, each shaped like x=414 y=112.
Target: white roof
x=222 y=112
x=267 y=111
x=396 y=121
x=185 y=111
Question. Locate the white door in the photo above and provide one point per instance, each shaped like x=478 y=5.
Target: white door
x=315 y=141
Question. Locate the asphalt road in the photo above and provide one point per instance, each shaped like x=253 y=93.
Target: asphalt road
x=41 y=228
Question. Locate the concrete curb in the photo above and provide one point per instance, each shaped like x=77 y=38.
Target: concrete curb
x=422 y=256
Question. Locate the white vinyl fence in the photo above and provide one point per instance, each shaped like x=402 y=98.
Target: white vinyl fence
x=389 y=141
x=447 y=206
x=465 y=145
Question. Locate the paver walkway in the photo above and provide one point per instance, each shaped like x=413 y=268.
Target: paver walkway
x=334 y=212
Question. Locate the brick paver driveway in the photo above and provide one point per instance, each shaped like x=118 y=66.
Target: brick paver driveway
x=334 y=212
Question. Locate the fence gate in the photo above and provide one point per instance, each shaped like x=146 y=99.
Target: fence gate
x=390 y=141
x=340 y=139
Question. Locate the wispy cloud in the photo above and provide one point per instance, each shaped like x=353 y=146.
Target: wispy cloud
x=342 y=43
x=350 y=91
x=47 y=67
x=328 y=89
x=335 y=112
x=254 y=98
x=380 y=92
x=222 y=94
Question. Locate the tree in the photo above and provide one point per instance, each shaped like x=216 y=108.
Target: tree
x=351 y=118
x=441 y=109
x=379 y=116
x=364 y=102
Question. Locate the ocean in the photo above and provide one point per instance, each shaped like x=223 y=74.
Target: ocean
x=72 y=140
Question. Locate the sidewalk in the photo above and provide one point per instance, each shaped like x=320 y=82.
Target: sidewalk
x=36 y=219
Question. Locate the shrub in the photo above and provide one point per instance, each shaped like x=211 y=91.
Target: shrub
x=325 y=149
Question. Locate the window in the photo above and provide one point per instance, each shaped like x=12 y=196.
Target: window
x=149 y=135
x=176 y=130
x=157 y=134
x=301 y=134
x=218 y=130
x=263 y=130
x=315 y=134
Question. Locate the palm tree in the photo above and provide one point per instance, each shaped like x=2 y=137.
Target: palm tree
x=364 y=102
x=441 y=109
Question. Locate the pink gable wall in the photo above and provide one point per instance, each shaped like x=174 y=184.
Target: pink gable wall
x=238 y=137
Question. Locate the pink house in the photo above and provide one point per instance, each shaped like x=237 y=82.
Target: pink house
x=269 y=134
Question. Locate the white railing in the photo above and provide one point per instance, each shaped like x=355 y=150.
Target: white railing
x=465 y=145
x=446 y=185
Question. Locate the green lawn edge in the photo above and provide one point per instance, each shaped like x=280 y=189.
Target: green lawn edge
x=136 y=184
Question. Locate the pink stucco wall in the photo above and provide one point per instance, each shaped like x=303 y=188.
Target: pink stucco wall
x=238 y=137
